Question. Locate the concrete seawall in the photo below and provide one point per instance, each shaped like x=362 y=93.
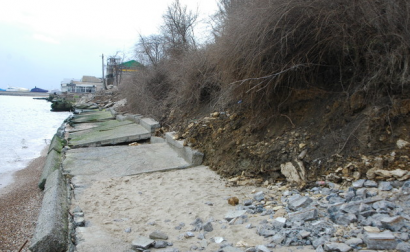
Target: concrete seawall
x=98 y=147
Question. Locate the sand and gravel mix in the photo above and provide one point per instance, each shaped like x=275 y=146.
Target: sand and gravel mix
x=20 y=203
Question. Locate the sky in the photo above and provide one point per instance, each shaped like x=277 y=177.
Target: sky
x=44 y=41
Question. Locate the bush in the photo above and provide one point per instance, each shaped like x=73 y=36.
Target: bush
x=264 y=49
x=267 y=47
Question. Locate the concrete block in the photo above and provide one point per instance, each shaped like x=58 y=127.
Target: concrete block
x=56 y=144
x=52 y=163
x=120 y=118
x=133 y=118
x=155 y=140
x=191 y=156
x=169 y=137
x=51 y=232
x=149 y=124
x=384 y=240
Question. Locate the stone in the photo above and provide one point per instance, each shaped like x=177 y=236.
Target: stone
x=358 y=183
x=234 y=214
x=262 y=248
x=201 y=236
x=278 y=238
x=384 y=240
x=385 y=186
x=79 y=221
x=304 y=233
x=160 y=244
x=141 y=242
x=337 y=247
x=362 y=193
x=158 y=235
x=230 y=249
x=304 y=215
x=299 y=202
x=350 y=208
x=208 y=227
x=189 y=235
x=259 y=196
x=279 y=222
x=402 y=143
x=405 y=189
x=403 y=247
x=354 y=242
x=370 y=183
x=263 y=231
x=320 y=241
x=393 y=223
x=320 y=249
x=343 y=218
x=247 y=202
x=291 y=173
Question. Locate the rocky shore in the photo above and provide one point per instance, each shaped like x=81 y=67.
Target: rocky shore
x=20 y=204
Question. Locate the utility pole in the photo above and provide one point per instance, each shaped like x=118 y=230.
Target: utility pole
x=103 y=77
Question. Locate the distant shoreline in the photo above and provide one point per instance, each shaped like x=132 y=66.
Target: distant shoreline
x=34 y=94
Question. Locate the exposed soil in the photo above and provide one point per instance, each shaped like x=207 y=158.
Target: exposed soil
x=333 y=129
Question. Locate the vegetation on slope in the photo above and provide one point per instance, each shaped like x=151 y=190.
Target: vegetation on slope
x=331 y=77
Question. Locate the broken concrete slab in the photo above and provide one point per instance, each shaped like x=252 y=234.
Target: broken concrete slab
x=108 y=133
x=116 y=161
x=51 y=232
x=56 y=144
x=92 y=116
x=52 y=163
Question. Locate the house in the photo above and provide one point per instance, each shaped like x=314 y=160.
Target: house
x=117 y=70
x=87 y=84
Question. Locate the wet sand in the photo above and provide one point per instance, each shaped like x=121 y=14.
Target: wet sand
x=20 y=202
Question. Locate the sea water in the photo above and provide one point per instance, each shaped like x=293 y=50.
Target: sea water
x=26 y=126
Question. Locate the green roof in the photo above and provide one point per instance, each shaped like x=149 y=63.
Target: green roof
x=130 y=64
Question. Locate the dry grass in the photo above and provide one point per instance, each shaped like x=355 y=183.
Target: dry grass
x=264 y=49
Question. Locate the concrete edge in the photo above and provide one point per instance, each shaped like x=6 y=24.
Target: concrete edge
x=190 y=155
x=149 y=124
x=56 y=144
x=52 y=163
x=51 y=231
x=114 y=141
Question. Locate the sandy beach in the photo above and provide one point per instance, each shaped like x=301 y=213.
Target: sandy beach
x=117 y=210
x=20 y=202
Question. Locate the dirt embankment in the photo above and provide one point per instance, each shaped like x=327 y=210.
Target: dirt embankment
x=332 y=136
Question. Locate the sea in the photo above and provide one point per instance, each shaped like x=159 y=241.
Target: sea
x=26 y=127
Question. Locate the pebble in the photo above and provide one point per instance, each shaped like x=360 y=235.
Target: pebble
x=327 y=217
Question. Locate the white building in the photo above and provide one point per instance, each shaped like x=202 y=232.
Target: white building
x=87 y=84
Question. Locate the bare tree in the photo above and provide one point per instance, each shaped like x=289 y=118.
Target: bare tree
x=178 y=27
x=150 y=49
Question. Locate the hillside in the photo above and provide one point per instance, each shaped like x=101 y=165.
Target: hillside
x=295 y=90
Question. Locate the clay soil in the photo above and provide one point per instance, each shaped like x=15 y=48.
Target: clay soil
x=332 y=130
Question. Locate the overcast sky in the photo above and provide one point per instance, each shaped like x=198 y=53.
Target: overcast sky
x=44 y=41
